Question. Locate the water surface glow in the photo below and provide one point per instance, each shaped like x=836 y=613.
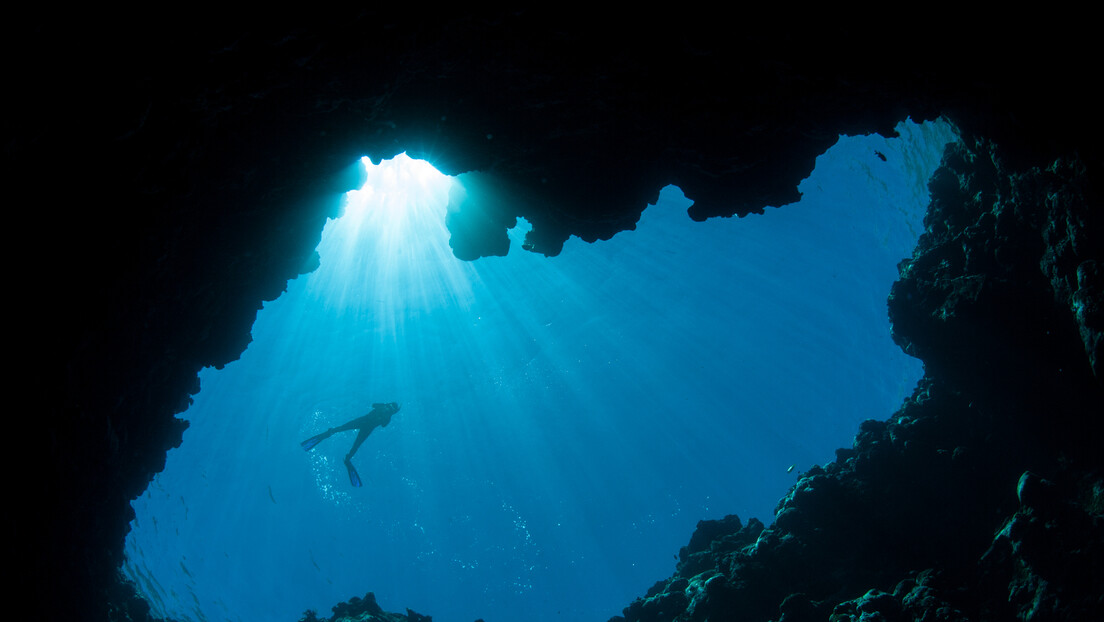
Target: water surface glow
x=566 y=422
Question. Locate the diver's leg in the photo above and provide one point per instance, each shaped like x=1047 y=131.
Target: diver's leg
x=348 y=425
x=363 y=434
x=354 y=477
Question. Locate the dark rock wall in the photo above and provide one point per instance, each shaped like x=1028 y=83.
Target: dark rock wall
x=981 y=498
x=166 y=175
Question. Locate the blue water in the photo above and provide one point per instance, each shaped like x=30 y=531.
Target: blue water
x=566 y=421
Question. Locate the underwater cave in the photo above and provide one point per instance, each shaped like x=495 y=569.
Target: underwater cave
x=565 y=421
x=599 y=370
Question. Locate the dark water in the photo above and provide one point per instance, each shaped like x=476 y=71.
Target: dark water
x=565 y=423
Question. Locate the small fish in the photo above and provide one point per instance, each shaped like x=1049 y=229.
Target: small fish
x=880 y=155
x=790 y=470
x=270 y=493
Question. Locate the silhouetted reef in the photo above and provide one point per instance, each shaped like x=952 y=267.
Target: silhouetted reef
x=364 y=610
x=166 y=181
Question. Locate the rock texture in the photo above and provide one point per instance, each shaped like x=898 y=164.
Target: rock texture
x=167 y=177
x=981 y=499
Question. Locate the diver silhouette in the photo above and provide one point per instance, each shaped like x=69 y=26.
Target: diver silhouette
x=379 y=416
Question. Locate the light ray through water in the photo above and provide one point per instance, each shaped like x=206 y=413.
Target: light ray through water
x=565 y=421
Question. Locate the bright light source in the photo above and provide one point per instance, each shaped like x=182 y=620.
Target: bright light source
x=389 y=255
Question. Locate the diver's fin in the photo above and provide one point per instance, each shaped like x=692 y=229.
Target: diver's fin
x=354 y=477
x=309 y=444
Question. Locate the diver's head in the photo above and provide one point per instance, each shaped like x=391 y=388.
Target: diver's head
x=392 y=407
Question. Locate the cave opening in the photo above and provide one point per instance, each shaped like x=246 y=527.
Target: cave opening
x=566 y=421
